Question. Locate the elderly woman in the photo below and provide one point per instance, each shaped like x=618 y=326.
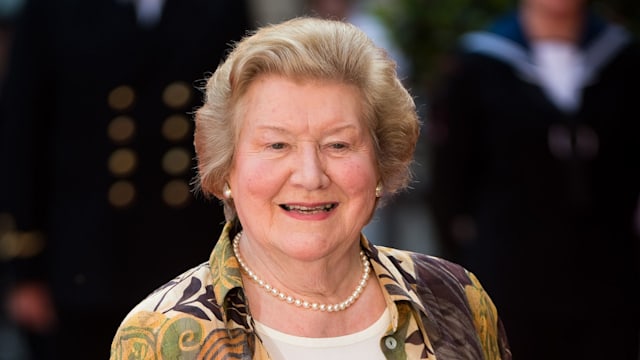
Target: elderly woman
x=304 y=130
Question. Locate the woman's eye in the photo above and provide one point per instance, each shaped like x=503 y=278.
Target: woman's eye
x=278 y=146
x=338 y=146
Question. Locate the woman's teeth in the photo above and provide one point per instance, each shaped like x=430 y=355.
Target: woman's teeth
x=308 y=209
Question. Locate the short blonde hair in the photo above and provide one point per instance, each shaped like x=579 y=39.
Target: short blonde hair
x=314 y=49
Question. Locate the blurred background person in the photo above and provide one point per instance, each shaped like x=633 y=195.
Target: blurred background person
x=9 y=10
x=535 y=177
x=12 y=341
x=361 y=14
x=96 y=152
x=404 y=222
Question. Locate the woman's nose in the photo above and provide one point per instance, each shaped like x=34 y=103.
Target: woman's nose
x=309 y=169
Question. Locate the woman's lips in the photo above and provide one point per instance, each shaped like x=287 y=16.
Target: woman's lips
x=309 y=209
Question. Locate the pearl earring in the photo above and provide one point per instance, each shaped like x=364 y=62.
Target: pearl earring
x=379 y=190
x=226 y=191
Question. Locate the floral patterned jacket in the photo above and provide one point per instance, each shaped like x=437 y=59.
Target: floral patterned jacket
x=438 y=310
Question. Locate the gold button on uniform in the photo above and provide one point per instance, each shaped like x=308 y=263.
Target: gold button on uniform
x=122 y=162
x=175 y=127
x=176 y=193
x=121 y=129
x=121 y=98
x=18 y=244
x=121 y=193
x=176 y=161
x=176 y=95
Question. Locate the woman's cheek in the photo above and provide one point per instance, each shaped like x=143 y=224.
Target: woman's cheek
x=357 y=176
x=263 y=177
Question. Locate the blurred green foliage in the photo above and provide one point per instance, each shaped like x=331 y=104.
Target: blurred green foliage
x=425 y=30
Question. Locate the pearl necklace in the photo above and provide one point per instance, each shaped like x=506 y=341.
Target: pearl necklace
x=304 y=303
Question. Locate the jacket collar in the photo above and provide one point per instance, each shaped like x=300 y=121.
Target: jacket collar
x=225 y=269
x=506 y=42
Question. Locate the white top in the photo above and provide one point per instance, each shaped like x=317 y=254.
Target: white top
x=364 y=344
x=561 y=71
x=148 y=12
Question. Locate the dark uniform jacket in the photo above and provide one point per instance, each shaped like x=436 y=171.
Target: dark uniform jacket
x=538 y=201
x=96 y=147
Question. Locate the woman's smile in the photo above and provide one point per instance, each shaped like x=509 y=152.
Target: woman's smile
x=309 y=211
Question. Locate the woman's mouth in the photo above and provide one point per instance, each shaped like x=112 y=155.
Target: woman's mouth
x=308 y=210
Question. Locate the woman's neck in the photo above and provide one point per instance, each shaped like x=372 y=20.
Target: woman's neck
x=329 y=276
x=297 y=321
x=321 y=282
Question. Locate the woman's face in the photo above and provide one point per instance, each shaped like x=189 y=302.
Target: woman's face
x=558 y=7
x=304 y=171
